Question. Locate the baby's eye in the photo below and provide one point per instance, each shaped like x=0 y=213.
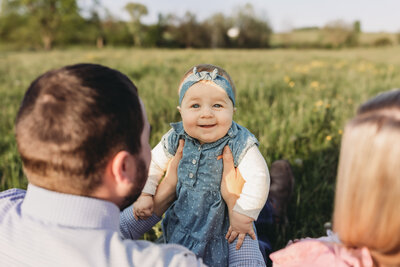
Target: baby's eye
x=217 y=106
x=195 y=106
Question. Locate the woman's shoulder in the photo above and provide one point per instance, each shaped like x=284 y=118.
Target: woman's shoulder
x=312 y=252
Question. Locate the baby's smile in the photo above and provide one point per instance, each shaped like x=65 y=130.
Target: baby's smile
x=207 y=125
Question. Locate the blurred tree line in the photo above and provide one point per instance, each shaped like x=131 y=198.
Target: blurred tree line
x=43 y=24
x=335 y=34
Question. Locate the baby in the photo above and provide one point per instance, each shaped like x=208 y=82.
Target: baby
x=199 y=218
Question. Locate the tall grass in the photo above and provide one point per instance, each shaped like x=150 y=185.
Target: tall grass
x=295 y=102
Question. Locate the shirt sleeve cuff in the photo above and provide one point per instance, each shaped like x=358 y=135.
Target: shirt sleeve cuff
x=130 y=228
x=250 y=213
x=149 y=188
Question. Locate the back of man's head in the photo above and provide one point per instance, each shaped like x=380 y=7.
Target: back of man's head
x=72 y=121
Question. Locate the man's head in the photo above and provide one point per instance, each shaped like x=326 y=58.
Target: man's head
x=73 y=121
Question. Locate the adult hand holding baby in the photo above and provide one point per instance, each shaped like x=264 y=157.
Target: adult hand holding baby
x=231 y=186
x=146 y=204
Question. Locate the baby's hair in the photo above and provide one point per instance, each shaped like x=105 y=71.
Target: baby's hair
x=368 y=185
x=209 y=68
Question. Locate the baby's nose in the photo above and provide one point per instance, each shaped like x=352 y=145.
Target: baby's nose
x=206 y=112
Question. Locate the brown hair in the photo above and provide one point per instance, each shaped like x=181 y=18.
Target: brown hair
x=367 y=197
x=71 y=121
x=209 y=68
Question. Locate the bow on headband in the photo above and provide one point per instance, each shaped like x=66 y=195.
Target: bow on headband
x=213 y=76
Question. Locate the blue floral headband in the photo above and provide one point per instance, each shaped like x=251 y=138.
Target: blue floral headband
x=209 y=76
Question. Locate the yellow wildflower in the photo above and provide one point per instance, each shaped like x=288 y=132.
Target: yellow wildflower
x=314 y=84
x=319 y=103
x=291 y=84
x=340 y=132
x=328 y=138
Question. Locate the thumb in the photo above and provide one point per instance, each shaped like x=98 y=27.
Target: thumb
x=179 y=150
x=227 y=159
x=178 y=155
x=252 y=234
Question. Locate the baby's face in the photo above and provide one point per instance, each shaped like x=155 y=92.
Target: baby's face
x=206 y=112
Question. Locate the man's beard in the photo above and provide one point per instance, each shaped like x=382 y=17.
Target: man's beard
x=136 y=190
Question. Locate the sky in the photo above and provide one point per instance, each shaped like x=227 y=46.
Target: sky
x=283 y=15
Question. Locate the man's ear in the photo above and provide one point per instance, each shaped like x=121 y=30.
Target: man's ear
x=234 y=110
x=118 y=178
x=123 y=167
x=179 y=109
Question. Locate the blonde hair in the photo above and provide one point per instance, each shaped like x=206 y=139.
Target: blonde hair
x=367 y=196
x=209 y=68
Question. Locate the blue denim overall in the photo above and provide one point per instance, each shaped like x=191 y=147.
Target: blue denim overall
x=198 y=219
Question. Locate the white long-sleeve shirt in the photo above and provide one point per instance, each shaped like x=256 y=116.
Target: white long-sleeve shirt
x=252 y=167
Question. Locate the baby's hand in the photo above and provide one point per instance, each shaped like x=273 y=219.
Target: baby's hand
x=240 y=226
x=143 y=207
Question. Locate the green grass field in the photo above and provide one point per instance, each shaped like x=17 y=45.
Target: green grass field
x=295 y=102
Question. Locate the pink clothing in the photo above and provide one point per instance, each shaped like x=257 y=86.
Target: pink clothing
x=325 y=254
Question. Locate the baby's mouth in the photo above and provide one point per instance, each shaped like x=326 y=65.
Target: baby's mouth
x=207 y=126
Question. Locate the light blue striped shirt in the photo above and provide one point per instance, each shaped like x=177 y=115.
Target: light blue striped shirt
x=39 y=227
x=249 y=255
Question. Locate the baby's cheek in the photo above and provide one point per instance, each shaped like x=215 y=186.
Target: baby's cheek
x=186 y=123
x=188 y=120
x=227 y=122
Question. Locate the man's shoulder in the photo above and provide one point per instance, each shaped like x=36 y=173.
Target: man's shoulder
x=12 y=194
x=10 y=197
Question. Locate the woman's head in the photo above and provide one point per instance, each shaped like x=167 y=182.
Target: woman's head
x=206 y=103
x=368 y=186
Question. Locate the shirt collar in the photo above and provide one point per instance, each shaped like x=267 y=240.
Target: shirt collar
x=69 y=210
x=178 y=128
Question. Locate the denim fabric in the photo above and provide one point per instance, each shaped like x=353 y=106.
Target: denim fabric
x=198 y=219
